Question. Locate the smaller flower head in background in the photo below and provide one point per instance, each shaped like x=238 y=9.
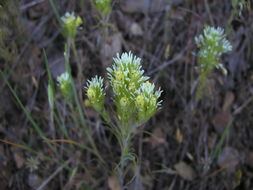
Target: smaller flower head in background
x=70 y=24
x=212 y=44
x=102 y=6
x=64 y=82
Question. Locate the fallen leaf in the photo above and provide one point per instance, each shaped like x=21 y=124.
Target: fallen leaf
x=228 y=101
x=157 y=138
x=229 y=159
x=221 y=120
x=185 y=171
x=18 y=157
x=113 y=183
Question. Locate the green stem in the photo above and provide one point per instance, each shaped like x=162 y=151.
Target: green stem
x=202 y=84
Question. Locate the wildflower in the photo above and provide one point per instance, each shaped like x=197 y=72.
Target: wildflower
x=103 y=6
x=135 y=98
x=212 y=44
x=33 y=164
x=64 y=82
x=126 y=75
x=95 y=93
x=147 y=101
x=70 y=24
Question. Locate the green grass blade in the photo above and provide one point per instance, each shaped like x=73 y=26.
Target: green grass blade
x=28 y=115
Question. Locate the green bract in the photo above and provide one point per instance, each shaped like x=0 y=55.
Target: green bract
x=70 y=24
x=64 y=82
x=95 y=93
x=212 y=44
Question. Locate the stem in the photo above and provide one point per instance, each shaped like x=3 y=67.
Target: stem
x=126 y=155
x=202 y=84
x=123 y=162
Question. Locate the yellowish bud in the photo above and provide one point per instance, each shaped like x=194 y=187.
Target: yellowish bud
x=86 y=103
x=119 y=76
x=132 y=86
x=91 y=94
x=79 y=21
x=124 y=102
x=140 y=102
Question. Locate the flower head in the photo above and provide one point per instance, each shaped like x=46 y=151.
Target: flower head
x=70 y=24
x=212 y=44
x=95 y=93
x=126 y=75
x=64 y=82
x=103 y=6
x=147 y=101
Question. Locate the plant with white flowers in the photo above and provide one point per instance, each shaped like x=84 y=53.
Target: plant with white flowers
x=135 y=100
x=102 y=6
x=95 y=93
x=64 y=82
x=212 y=44
x=70 y=24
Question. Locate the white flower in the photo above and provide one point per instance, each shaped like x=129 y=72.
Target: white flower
x=212 y=44
x=64 y=82
x=96 y=93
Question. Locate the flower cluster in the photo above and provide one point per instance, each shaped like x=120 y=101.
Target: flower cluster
x=64 y=82
x=126 y=75
x=135 y=98
x=96 y=93
x=70 y=24
x=146 y=100
x=103 y=6
x=212 y=44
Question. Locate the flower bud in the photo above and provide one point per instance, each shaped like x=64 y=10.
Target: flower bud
x=212 y=44
x=70 y=24
x=103 y=6
x=95 y=93
x=64 y=82
x=124 y=102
